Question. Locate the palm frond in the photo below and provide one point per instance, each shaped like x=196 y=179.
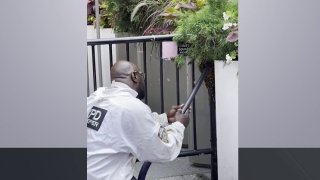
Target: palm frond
x=136 y=9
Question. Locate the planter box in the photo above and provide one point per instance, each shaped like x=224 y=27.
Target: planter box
x=227 y=119
x=226 y=81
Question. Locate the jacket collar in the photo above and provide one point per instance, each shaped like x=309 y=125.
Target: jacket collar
x=124 y=87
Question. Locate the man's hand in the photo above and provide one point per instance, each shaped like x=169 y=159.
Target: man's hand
x=172 y=113
x=183 y=118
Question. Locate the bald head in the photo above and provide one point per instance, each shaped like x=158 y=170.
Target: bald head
x=126 y=72
x=122 y=70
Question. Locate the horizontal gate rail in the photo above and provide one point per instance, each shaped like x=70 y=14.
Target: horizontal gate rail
x=136 y=39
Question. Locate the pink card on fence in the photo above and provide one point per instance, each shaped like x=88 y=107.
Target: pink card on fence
x=169 y=50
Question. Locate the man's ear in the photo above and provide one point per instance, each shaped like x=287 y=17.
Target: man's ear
x=134 y=77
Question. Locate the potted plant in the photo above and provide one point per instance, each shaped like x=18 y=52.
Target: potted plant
x=212 y=36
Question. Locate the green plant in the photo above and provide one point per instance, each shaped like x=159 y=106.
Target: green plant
x=160 y=16
x=90 y=12
x=105 y=15
x=114 y=14
x=230 y=25
x=205 y=32
x=147 y=14
x=211 y=34
x=121 y=11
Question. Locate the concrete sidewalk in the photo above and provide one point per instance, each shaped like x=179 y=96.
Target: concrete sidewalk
x=179 y=169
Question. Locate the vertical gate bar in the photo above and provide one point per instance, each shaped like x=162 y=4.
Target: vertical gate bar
x=94 y=68
x=110 y=55
x=213 y=135
x=145 y=71
x=88 y=88
x=194 y=117
x=161 y=79
x=178 y=84
x=127 y=51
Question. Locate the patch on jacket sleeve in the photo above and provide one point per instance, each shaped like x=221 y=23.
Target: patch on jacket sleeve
x=163 y=134
x=95 y=118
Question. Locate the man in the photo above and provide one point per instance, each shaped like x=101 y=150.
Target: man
x=121 y=128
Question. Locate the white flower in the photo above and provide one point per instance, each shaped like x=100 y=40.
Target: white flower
x=235 y=24
x=228 y=58
x=225 y=16
x=226 y=26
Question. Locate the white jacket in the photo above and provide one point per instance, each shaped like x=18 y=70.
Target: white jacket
x=121 y=128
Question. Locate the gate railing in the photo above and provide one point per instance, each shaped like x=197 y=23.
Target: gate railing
x=160 y=38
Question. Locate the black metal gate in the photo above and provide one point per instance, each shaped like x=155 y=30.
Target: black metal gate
x=93 y=44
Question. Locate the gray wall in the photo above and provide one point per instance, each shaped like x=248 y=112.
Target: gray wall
x=43 y=73
x=279 y=73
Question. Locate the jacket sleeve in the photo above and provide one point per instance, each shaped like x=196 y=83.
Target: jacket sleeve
x=143 y=136
x=161 y=118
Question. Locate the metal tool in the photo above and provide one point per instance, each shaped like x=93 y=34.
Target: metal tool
x=195 y=90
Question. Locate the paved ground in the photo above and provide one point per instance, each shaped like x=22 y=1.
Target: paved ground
x=179 y=169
